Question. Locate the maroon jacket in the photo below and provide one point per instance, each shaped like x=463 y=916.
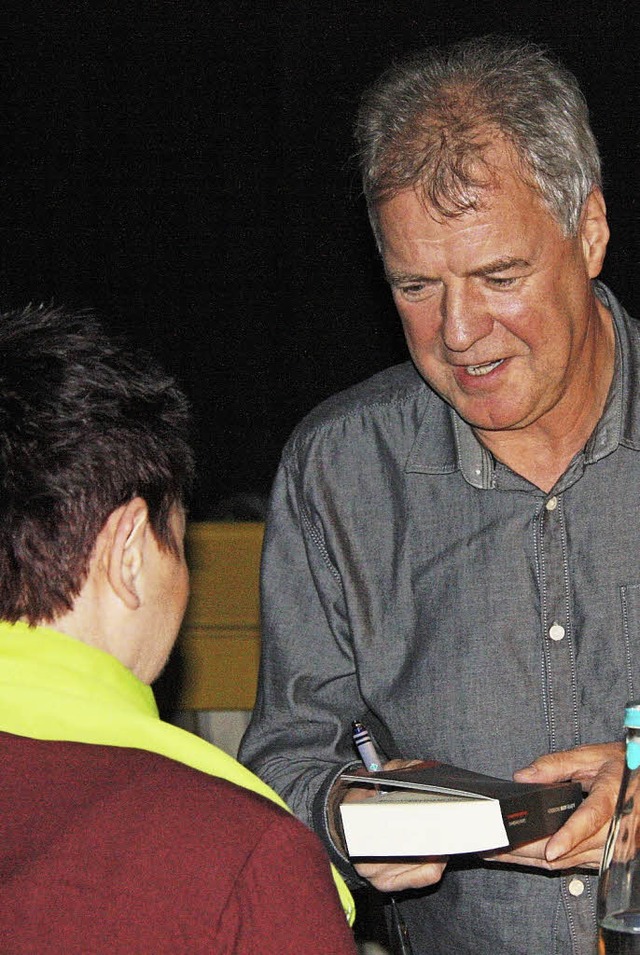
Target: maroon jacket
x=123 y=852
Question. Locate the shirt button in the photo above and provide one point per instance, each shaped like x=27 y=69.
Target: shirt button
x=551 y=504
x=576 y=887
x=556 y=631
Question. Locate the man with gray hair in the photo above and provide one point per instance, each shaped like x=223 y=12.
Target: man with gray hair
x=450 y=548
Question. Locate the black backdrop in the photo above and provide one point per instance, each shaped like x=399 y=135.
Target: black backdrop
x=186 y=169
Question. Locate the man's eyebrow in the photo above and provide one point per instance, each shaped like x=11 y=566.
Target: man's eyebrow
x=396 y=278
x=500 y=265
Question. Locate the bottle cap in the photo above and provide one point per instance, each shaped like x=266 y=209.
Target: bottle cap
x=632 y=714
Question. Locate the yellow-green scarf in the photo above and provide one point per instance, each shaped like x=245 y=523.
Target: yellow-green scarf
x=55 y=687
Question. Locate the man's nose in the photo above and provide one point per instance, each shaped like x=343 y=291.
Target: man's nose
x=465 y=318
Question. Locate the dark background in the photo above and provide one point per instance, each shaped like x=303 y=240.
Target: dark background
x=186 y=169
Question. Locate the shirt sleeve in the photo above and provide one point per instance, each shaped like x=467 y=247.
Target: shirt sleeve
x=299 y=737
x=286 y=902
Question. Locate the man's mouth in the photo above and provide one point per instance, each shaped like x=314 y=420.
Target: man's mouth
x=478 y=370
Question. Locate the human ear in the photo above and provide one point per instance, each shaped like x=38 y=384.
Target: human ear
x=125 y=559
x=594 y=232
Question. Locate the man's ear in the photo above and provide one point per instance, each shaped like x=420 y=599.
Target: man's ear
x=126 y=553
x=594 y=232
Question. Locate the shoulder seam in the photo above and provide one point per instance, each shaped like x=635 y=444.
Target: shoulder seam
x=304 y=430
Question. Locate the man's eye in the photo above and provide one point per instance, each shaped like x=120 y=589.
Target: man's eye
x=414 y=290
x=501 y=282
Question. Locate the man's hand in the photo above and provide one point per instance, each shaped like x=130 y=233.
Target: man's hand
x=396 y=876
x=399 y=874
x=579 y=843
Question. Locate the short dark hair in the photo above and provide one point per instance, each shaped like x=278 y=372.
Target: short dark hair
x=428 y=120
x=86 y=424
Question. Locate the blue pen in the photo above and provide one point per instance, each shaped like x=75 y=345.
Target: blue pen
x=365 y=747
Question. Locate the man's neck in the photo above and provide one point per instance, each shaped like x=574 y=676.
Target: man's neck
x=537 y=458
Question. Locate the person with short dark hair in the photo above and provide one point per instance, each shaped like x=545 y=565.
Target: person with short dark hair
x=120 y=833
x=450 y=551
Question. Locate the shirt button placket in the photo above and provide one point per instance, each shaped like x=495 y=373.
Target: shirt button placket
x=560 y=672
x=560 y=692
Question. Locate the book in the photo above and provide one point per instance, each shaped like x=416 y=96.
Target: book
x=436 y=809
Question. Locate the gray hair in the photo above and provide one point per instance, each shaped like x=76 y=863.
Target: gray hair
x=429 y=119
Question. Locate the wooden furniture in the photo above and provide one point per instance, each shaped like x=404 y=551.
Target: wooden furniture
x=219 y=642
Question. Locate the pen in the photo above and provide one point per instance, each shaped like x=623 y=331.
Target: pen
x=365 y=747
x=367 y=752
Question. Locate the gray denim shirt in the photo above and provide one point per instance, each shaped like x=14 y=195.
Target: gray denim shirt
x=412 y=581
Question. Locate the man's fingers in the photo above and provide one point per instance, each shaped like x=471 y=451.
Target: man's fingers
x=586 y=854
x=580 y=841
x=529 y=853
x=581 y=764
x=589 y=824
x=583 y=859
x=397 y=876
x=598 y=768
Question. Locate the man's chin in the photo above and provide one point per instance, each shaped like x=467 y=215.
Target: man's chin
x=490 y=420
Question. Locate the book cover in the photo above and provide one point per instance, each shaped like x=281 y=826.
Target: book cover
x=438 y=809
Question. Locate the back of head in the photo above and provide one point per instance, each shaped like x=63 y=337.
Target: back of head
x=85 y=426
x=428 y=122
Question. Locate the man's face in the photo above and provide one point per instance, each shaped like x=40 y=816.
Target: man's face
x=496 y=304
